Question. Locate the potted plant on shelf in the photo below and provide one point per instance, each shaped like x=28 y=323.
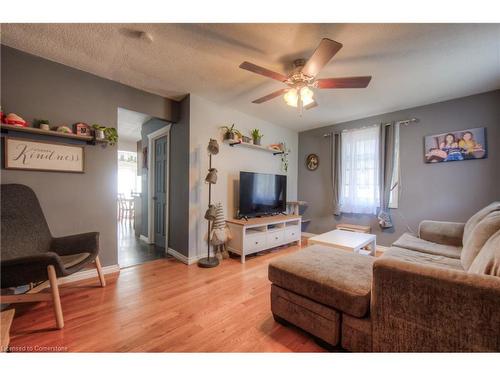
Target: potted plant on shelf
x=230 y=133
x=257 y=136
x=42 y=124
x=103 y=133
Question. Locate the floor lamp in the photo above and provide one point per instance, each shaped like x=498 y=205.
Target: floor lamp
x=213 y=149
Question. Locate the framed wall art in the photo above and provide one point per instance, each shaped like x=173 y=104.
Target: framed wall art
x=27 y=154
x=312 y=162
x=456 y=146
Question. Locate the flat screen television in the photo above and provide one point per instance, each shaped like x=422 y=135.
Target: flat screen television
x=261 y=194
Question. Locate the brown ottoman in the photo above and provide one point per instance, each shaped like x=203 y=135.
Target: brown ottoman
x=319 y=320
x=312 y=286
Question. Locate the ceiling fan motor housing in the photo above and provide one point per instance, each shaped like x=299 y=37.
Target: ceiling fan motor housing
x=299 y=63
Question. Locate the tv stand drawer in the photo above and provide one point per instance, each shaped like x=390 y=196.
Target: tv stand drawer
x=292 y=234
x=275 y=238
x=256 y=241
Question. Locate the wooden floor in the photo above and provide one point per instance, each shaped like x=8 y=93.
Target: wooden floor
x=165 y=306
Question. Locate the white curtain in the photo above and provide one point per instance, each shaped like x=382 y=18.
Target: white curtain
x=360 y=170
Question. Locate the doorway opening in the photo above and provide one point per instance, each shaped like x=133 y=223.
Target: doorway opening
x=138 y=189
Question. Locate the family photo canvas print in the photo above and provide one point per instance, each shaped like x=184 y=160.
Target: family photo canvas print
x=456 y=146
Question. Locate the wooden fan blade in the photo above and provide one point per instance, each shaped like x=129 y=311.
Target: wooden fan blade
x=324 y=52
x=263 y=71
x=311 y=105
x=343 y=83
x=270 y=96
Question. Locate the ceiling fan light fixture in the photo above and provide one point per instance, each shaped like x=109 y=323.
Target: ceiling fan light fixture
x=307 y=101
x=291 y=97
x=303 y=78
x=307 y=95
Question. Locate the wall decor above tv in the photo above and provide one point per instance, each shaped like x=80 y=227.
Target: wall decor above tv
x=457 y=145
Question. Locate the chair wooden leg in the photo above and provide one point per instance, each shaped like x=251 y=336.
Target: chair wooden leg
x=56 y=300
x=99 y=271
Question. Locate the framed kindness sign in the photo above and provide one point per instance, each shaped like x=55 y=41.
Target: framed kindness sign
x=33 y=155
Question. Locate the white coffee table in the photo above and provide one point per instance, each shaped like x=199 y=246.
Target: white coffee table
x=347 y=240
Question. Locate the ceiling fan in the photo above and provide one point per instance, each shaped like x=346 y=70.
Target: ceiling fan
x=302 y=79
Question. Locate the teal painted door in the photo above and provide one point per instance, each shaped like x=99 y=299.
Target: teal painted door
x=160 y=191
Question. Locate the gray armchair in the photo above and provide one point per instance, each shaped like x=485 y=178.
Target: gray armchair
x=29 y=253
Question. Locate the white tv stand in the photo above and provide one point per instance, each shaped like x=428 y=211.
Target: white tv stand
x=257 y=234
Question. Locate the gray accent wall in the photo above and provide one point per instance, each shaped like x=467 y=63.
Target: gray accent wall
x=34 y=87
x=445 y=191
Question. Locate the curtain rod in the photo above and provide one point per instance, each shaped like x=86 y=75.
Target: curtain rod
x=401 y=122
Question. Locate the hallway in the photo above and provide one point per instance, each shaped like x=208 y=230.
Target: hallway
x=131 y=250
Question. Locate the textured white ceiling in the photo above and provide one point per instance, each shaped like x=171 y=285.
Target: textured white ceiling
x=130 y=124
x=411 y=64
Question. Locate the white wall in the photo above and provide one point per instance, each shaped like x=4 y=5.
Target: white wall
x=205 y=120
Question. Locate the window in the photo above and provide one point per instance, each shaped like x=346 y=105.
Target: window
x=128 y=181
x=360 y=170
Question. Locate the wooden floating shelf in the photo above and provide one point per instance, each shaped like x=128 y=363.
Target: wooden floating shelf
x=50 y=133
x=250 y=145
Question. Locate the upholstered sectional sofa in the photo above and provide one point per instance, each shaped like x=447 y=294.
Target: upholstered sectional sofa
x=435 y=291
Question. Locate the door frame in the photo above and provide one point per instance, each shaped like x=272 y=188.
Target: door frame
x=152 y=137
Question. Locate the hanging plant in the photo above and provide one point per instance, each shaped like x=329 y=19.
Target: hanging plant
x=284 y=157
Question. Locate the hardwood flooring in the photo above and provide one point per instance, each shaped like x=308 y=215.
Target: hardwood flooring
x=165 y=306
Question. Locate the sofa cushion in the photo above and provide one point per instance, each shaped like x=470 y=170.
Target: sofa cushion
x=336 y=278
x=356 y=333
x=409 y=241
x=487 y=262
x=478 y=237
x=477 y=217
x=423 y=258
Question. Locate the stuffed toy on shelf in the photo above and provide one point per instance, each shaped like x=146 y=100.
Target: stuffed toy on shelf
x=13 y=119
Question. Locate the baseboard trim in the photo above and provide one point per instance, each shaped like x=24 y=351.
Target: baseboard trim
x=144 y=238
x=184 y=259
x=88 y=274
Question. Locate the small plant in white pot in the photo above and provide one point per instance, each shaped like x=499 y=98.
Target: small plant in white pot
x=99 y=131
x=256 y=136
x=110 y=135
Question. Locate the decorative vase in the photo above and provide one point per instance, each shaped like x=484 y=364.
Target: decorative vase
x=256 y=141
x=45 y=126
